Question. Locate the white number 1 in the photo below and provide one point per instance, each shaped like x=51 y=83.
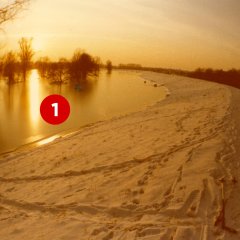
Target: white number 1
x=55 y=106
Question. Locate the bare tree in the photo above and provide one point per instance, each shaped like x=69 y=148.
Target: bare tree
x=10 y=8
x=26 y=53
x=82 y=64
x=9 y=66
x=42 y=64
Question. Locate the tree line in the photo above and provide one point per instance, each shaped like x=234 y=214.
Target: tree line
x=14 y=66
x=17 y=63
x=77 y=69
x=229 y=77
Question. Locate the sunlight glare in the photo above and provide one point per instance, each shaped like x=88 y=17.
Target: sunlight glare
x=34 y=98
x=47 y=140
x=37 y=45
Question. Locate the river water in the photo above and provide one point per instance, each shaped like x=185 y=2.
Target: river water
x=104 y=97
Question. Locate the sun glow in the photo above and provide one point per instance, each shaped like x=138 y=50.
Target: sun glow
x=37 y=45
x=173 y=34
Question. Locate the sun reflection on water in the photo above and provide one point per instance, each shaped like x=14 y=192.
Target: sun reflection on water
x=47 y=140
x=34 y=98
x=103 y=98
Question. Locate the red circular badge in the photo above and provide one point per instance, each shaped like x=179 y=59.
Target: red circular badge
x=55 y=109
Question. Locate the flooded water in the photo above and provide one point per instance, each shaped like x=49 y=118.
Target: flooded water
x=102 y=98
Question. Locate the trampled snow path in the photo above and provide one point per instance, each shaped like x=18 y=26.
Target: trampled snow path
x=168 y=172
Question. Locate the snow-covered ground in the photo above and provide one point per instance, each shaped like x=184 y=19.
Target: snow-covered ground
x=168 y=172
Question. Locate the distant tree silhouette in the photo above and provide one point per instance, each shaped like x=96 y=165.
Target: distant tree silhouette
x=132 y=66
x=26 y=53
x=81 y=65
x=9 y=66
x=61 y=70
x=109 y=66
x=9 y=9
x=42 y=64
x=58 y=71
x=231 y=77
x=97 y=61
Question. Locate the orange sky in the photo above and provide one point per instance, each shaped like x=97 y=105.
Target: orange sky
x=160 y=33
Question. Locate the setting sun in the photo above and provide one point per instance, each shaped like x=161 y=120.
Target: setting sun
x=177 y=34
x=38 y=45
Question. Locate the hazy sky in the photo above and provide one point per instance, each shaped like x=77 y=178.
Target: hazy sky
x=160 y=33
